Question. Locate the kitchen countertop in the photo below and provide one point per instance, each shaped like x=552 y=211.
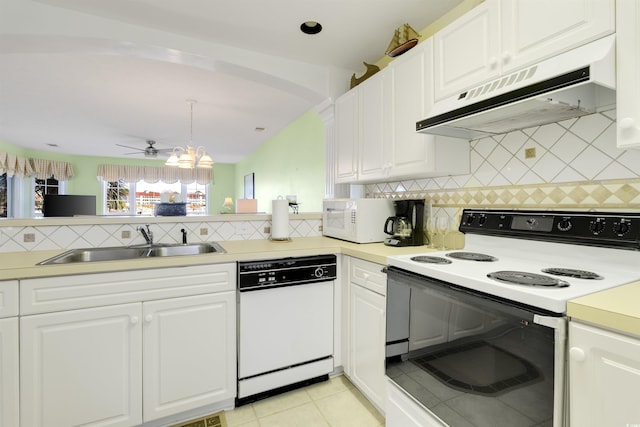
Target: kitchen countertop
x=22 y=265
x=617 y=308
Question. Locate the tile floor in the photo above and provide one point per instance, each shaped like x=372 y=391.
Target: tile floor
x=333 y=403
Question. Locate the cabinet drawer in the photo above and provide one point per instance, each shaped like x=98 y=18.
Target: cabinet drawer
x=92 y=290
x=368 y=275
x=9 y=298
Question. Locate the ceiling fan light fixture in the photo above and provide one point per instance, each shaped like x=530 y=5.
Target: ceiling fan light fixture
x=190 y=158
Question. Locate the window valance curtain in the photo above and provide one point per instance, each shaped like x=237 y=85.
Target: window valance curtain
x=40 y=168
x=153 y=174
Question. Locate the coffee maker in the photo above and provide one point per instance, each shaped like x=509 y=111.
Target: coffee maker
x=406 y=227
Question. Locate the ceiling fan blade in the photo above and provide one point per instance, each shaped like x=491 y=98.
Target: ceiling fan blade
x=133 y=148
x=134 y=154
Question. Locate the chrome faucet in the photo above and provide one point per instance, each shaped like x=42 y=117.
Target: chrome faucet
x=147 y=234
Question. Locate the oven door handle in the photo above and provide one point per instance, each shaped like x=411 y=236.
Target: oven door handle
x=559 y=326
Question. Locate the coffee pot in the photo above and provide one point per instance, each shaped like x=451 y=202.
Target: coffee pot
x=406 y=226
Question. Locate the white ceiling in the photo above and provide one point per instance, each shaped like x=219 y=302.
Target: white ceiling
x=89 y=74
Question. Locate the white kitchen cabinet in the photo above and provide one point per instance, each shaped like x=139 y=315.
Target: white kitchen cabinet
x=500 y=36
x=366 y=330
x=82 y=367
x=347 y=137
x=9 y=369
x=628 y=73
x=533 y=31
x=186 y=359
x=126 y=348
x=9 y=360
x=387 y=145
x=373 y=107
x=466 y=51
x=604 y=377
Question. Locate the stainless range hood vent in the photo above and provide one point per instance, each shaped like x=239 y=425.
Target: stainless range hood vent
x=573 y=84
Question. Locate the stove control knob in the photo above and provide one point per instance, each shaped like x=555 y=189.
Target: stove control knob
x=482 y=220
x=469 y=219
x=319 y=272
x=565 y=224
x=597 y=226
x=621 y=228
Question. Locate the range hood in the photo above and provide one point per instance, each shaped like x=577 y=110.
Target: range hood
x=572 y=84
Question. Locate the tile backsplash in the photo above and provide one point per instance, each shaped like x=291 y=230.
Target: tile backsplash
x=48 y=237
x=573 y=164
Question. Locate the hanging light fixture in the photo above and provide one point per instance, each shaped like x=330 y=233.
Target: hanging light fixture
x=190 y=157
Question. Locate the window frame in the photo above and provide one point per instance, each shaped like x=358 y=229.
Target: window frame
x=132 y=199
x=62 y=189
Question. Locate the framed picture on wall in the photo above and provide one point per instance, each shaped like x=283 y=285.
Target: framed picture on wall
x=249 y=186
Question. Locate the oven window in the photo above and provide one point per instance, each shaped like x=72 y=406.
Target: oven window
x=470 y=360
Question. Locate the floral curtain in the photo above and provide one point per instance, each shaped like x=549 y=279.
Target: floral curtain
x=153 y=174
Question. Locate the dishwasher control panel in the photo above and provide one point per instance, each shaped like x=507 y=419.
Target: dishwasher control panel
x=261 y=274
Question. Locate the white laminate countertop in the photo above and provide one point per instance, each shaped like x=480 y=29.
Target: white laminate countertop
x=22 y=265
x=617 y=308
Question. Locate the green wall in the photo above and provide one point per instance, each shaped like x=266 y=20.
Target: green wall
x=85 y=170
x=290 y=163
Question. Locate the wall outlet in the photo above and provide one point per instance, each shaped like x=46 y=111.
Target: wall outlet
x=126 y=234
x=29 y=237
x=266 y=230
x=529 y=153
x=204 y=231
x=320 y=227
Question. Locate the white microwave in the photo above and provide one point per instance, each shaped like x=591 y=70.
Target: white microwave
x=356 y=220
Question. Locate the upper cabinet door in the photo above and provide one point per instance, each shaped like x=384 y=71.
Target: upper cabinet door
x=467 y=50
x=347 y=137
x=372 y=126
x=628 y=73
x=535 y=30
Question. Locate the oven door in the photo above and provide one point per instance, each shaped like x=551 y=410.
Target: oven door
x=473 y=359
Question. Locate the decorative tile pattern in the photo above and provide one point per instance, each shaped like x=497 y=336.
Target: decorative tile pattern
x=13 y=239
x=576 y=166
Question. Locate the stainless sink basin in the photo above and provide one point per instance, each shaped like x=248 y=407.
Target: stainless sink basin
x=133 y=252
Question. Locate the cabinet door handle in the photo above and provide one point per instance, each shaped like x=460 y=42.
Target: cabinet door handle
x=134 y=320
x=577 y=354
x=148 y=318
x=506 y=56
x=493 y=62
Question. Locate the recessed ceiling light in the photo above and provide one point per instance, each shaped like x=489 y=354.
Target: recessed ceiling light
x=53 y=145
x=311 y=27
x=259 y=129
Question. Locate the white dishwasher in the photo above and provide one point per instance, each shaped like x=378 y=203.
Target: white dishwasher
x=285 y=324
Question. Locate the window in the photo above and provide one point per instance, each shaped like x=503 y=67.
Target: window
x=139 y=198
x=5 y=188
x=42 y=187
x=117 y=198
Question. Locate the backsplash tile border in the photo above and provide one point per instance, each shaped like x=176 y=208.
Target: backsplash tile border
x=599 y=195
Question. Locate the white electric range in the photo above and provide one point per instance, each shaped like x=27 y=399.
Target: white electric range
x=486 y=325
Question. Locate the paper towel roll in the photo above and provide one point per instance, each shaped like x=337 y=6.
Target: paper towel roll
x=280 y=220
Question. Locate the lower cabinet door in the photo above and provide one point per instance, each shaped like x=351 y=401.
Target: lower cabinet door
x=82 y=367
x=189 y=353
x=403 y=411
x=366 y=343
x=9 y=369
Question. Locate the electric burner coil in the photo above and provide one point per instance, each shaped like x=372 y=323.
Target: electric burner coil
x=527 y=279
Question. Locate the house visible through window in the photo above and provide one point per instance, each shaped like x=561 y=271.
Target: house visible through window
x=141 y=197
x=42 y=187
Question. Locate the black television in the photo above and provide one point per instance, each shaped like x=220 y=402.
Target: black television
x=68 y=205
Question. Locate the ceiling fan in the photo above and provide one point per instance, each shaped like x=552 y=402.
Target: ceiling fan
x=149 y=151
